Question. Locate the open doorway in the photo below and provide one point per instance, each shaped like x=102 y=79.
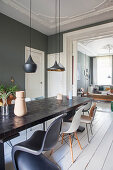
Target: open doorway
x=95 y=65
x=70 y=41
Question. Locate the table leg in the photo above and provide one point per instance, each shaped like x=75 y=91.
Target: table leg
x=44 y=126
x=80 y=129
x=2 y=158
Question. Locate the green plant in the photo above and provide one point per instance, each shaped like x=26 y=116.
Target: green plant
x=12 y=89
x=4 y=96
x=6 y=90
x=2 y=88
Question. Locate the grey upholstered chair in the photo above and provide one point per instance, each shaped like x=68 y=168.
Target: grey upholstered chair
x=28 y=155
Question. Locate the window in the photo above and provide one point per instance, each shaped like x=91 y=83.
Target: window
x=104 y=70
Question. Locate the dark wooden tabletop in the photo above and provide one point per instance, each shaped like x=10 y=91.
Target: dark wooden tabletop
x=39 y=111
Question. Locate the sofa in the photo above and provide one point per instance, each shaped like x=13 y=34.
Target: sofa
x=101 y=93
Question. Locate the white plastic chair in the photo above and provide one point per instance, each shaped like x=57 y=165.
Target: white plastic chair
x=27 y=99
x=87 y=107
x=71 y=127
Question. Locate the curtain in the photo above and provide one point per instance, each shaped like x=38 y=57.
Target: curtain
x=104 y=70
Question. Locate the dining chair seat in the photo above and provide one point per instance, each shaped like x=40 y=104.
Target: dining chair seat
x=85 y=119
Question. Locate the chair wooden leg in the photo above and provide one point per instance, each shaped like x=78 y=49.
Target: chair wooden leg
x=78 y=140
x=62 y=138
x=52 y=150
x=87 y=133
x=71 y=147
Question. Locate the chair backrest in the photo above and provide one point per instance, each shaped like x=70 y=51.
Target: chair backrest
x=88 y=106
x=92 y=111
x=27 y=99
x=37 y=98
x=52 y=134
x=76 y=121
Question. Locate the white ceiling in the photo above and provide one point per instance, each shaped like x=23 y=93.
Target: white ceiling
x=97 y=46
x=74 y=13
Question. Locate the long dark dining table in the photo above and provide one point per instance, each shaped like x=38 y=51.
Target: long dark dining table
x=38 y=112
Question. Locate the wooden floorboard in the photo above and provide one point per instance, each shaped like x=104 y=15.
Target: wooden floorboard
x=108 y=164
x=101 y=151
x=82 y=162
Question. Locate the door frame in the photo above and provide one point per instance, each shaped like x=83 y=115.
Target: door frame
x=43 y=66
x=70 y=40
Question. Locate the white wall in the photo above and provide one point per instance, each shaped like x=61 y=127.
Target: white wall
x=75 y=54
x=56 y=80
x=94 y=71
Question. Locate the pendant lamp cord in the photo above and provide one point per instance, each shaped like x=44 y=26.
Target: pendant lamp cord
x=30 y=27
x=59 y=31
x=56 y=25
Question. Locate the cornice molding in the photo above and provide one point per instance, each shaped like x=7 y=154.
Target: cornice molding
x=50 y=21
x=84 y=49
x=25 y=11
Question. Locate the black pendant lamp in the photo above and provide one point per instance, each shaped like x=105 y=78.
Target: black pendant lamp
x=30 y=66
x=57 y=66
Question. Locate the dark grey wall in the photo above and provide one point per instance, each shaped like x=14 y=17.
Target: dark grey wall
x=53 y=39
x=14 y=36
x=91 y=70
x=84 y=62
x=53 y=43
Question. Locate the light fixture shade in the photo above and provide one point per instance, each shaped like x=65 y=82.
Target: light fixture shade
x=30 y=66
x=109 y=76
x=61 y=66
x=56 y=67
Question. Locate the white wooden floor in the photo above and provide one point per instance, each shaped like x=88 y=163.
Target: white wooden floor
x=98 y=155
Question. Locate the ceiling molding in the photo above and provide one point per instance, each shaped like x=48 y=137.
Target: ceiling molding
x=88 y=15
x=25 y=11
x=85 y=50
x=46 y=20
x=98 y=46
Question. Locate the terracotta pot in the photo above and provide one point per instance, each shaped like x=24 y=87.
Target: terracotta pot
x=10 y=98
x=20 y=104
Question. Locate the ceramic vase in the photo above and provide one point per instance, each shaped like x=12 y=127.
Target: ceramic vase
x=20 y=108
